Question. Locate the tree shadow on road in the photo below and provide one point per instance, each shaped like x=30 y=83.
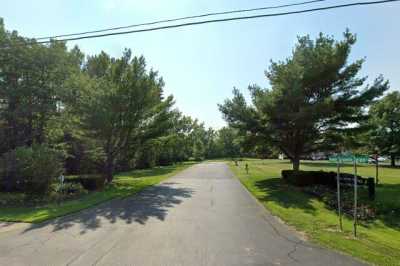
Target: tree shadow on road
x=152 y=202
x=139 y=173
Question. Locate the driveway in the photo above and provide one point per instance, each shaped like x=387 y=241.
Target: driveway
x=202 y=216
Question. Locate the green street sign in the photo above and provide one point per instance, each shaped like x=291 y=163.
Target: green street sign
x=342 y=158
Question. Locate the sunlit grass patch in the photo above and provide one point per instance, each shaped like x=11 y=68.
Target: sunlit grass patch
x=378 y=240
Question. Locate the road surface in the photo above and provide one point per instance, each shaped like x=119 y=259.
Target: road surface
x=202 y=216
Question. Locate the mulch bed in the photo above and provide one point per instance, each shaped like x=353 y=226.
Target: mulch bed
x=365 y=210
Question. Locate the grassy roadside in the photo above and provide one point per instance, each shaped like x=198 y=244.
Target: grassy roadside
x=124 y=184
x=378 y=241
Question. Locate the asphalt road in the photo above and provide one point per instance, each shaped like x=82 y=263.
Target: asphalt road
x=202 y=216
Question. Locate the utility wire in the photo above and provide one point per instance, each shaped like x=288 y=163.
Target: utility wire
x=181 y=18
x=216 y=21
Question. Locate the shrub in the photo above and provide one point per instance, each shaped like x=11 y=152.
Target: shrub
x=8 y=172
x=92 y=182
x=30 y=169
x=309 y=178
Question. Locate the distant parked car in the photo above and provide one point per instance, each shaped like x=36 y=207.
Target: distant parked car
x=319 y=156
x=380 y=159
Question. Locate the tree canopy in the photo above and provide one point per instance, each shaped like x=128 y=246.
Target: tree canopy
x=384 y=135
x=103 y=113
x=313 y=94
x=121 y=103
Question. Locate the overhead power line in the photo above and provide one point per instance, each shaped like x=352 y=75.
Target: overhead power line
x=218 y=20
x=180 y=19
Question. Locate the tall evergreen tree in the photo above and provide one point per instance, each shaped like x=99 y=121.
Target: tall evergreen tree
x=313 y=92
x=121 y=102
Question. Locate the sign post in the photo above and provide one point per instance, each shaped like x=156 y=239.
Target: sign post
x=338 y=195
x=376 y=168
x=340 y=158
x=355 y=196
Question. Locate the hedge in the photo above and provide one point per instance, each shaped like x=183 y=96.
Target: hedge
x=308 y=178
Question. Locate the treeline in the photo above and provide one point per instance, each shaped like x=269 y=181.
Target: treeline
x=64 y=112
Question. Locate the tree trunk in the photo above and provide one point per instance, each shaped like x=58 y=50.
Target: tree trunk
x=12 y=129
x=109 y=168
x=296 y=163
x=392 y=160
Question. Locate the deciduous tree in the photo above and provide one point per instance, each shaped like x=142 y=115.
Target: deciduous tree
x=385 y=125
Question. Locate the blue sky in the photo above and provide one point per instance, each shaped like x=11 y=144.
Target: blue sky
x=202 y=64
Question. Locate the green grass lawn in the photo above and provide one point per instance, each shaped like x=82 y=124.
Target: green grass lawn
x=123 y=185
x=378 y=241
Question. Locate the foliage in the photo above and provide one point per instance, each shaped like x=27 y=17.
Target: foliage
x=174 y=145
x=30 y=169
x=32 y=87
x=314 y=94
x=384 y=122
x=198 y=151
x=307 y=178
x=186 y=138
x=92 y=182
x=229 y=142
x=121 y=104
x=102 y=113
x=366 y=212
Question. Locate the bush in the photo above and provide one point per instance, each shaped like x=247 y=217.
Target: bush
x=8 y=176
x=309 y=178
x=92 y=182
x=30 y=169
